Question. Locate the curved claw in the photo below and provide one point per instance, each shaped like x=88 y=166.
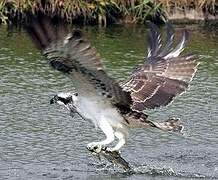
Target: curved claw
x=94 y=147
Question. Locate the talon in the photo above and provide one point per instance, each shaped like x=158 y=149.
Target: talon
x=94 y=147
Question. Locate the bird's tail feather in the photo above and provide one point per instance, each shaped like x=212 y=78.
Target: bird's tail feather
x=172 y=124
x=141 y=120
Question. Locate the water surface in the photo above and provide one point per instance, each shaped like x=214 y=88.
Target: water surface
x=40 y=141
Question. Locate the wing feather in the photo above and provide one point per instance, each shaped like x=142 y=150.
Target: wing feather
x=179 y=48
x=147 y=89
x=164 y=76
x=154 y=40
x=69 y=51
x=169 y=41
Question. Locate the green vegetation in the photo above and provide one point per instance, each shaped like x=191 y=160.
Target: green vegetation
x=190 y=10
x=101 y=12
x=187 y=4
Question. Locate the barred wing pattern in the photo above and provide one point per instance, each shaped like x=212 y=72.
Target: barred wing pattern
x=63 y=48
x=165 y=75
x=69 y=51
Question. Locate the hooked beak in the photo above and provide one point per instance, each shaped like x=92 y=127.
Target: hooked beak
x=53 y=100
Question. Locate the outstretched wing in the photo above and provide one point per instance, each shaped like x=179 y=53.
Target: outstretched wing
x=64 y=49
x=164 y=75
x=69 y=52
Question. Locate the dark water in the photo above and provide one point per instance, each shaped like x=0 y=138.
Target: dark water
x=40 y=141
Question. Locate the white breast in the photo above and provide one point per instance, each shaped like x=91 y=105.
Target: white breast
x=97 y=109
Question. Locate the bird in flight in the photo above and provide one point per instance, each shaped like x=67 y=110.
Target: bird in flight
x=115 y=107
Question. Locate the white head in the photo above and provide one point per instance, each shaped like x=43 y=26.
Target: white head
x=68 y=100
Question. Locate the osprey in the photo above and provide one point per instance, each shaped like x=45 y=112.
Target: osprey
x=115 y=107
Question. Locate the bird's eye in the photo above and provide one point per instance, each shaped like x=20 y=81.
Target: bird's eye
x=76 y=94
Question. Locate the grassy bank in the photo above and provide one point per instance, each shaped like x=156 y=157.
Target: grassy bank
x=104 y=12
x=190 y=10
x=84 y=11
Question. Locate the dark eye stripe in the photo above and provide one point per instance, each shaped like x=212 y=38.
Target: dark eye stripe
x=65 y=100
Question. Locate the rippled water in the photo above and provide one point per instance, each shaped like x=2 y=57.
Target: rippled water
x=39 y=141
